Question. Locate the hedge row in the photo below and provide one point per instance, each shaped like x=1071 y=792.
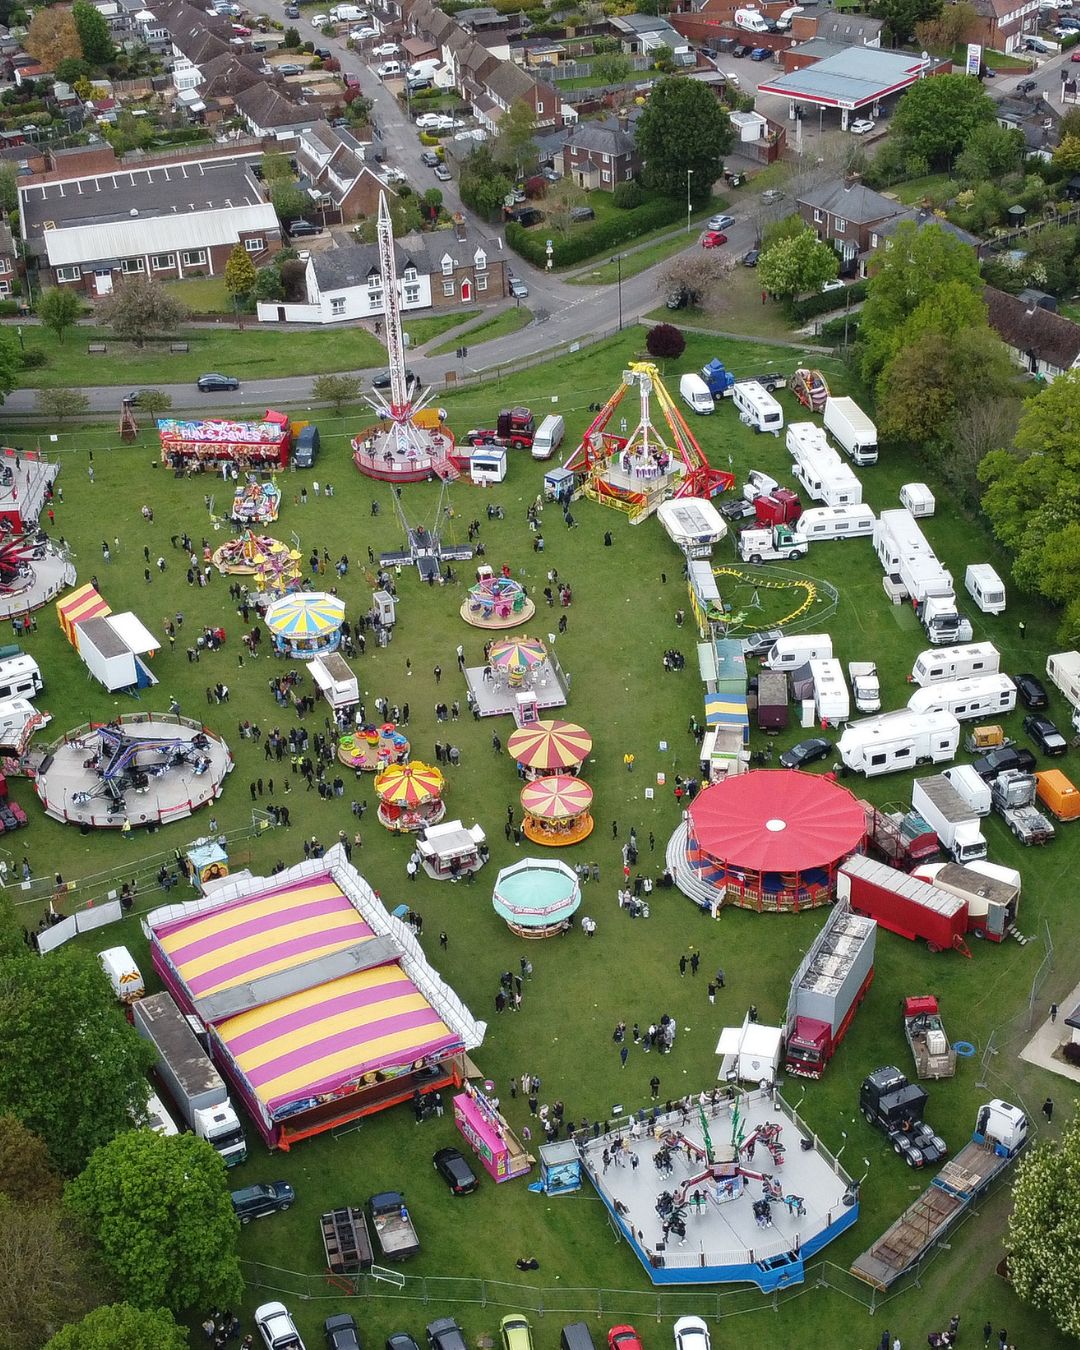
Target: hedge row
x=583 y=244
x=827 y=301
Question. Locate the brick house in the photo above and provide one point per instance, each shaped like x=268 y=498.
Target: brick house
x=1043 y=343
x=845 y=214
x=600 y=154
x=269 y=113
x=1004 y=24
x=7 y=261
x=332 y=160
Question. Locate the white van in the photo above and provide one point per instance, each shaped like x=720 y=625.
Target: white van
x=955 y=663
x=424 y=70
x=835 y=522
x=389 y=70
x=548 y=438
x=752 y=20
x=695 y=394
x=789 y=652
x=349 y=14
x=757 y=407
x=20 y=677
x=982 y=583
x=123 y=974
x=832 y=703
x=979 y=696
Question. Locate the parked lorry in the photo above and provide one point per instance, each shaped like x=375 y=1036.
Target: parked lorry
x=865 y=686
x=779 y=507
x=514 y=427
x=1014 y=793
x=190 y=444
x=939 y=664
x=902 y=838
x=826 y=990
x=853 y=431
x=895 y=1106
x=393 y=1226
x=970 y=786
x=757 y=546
x=914 y=572
x=772 y=701
x=934 y=1056
x=721 y=381
x=898 y=740
x=195 y=1086
x=991 y=893
x=1063 y=668
x=1001 y=1131
x=949 y=816
x=903 y=904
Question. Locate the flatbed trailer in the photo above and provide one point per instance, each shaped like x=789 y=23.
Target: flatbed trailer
x=346 y=1241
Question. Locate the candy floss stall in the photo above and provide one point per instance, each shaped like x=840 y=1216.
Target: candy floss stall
x=491 y=1138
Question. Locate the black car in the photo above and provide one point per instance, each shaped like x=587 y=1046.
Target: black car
x=455 y=1171
x=430 y=158
x=1045 y=735
x=253 y=1202
x=740 y=50
x=341 y=1332
x=323 y=53
x=400 y=1340
x=445 y=1334
x=1005 y=757
x=678 y=298
x=217 y=384
x=806 y=752
x=1032 y=691
x=1026 y=86
x=300 y=228
x=526 y=216
x=382 y=379
x=750 y=257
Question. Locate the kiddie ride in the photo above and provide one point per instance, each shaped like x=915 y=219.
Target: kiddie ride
x=117 y=763
x=634 y=473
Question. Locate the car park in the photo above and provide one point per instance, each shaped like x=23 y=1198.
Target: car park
x=442 y=173
x=255 y=1202
x=720 y=222
x=1031 y=691
x=455 y=1171
x=217 y=384
x=515 y=1332
x=861 y=126
x=750 y=257
x=341 y=1332
x=806 y=752
x=1004 y=757
x=713 y=239
x=518 y=289
x=691 y=1333
x=1045 y=734
x=445 y=1334
x=277 y=1328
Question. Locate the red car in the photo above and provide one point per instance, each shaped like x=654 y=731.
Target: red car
x=1076 y=54
x=623 y=1338
x=713 y=239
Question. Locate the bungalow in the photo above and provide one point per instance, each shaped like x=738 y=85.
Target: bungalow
x=1043 y=343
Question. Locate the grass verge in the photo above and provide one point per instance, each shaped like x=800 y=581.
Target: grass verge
x=499 y=325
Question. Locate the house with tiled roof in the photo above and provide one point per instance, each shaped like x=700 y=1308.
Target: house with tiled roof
x=1043 y=343
x=1004 y=25
x=600 y=154
x=341 y=184
x=268 y=112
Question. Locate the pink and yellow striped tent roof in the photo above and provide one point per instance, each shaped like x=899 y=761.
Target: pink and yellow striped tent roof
x=82 y=604
x=320 y=1040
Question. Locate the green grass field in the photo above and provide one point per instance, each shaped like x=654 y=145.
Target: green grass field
x=499 y=325
x=619 y=626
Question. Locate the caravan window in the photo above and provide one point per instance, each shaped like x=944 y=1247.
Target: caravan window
x=900 y=754
x=841 y=526
x=877 y=759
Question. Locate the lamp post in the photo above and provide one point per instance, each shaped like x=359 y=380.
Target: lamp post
x=617 y=260
x=688 y=174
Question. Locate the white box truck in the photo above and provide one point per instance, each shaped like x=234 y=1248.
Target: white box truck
x=865 y=686
x=757 y=407
x=824 y=523
x=852 y=430
x=787 y=653
x=832 y=703
x=974 y=790
x=949 y=816
x=984 y=586
x=694 y=392
x=196 y=1087
x=955 y=663
x=977 y=696
x=123 y=974
x=898 y=740
x=334 y=679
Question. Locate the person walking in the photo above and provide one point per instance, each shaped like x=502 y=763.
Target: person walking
x=1053 y=1013
x=682 y=964
x=654 y=1087
x=437 y=672
x=988 y=1331
x=719 y=977
x=1048 y=1109
x=624 y=1054
x=695 y=961
x=712 y=992
x=443 y=940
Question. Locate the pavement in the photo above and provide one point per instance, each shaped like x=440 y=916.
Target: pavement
x=1049 y=1037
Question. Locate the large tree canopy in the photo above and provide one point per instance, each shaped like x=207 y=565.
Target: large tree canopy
x=902 y=16
x=937 y=116
x=1044 y=1229
x=683 y=129
x=119 y=1324
x=798 y=264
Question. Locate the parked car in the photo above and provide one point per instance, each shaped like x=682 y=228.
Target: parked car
x=526 y=216
x=301 y=229
x=455 y=1171
x=255 y=1202
x=1026 y=86
x=1032 y=691
x=691 y=1333
x=320 y=20
x=382 y=379
x=861 y=126
x=400 y=1340
x=1045 y=735
x=750 y=257
x=292 y=11
x=678 y=298
x=1034 y=44
x=518 y=289
x=277 y=1328
x=806 y=752
x=761 y=642
x=217 y=384
x=740 y=50
x=445 y=1334
x=289 y=68
x=623 y=1338
x=426 y=121
x=362 y=33
x=430 y=158
x=761 y=54
x=720 y=222
x=732 y=78
x=442 y=173
x=835 y=285
x=388 y=70
x=582 y=213
x=516 y=1332
x=713 y=239
x=341 y=1332
x=1004 y=757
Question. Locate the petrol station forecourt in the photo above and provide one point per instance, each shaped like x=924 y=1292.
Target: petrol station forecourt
x=620 y=623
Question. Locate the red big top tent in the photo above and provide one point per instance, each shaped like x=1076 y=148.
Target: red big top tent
x=772 y=839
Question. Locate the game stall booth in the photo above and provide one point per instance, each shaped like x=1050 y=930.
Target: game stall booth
x=410 y=796
x=536 y=897
x=549 y=747
x=371 y=749
x=450 y=851
x=221 y=443
x=496 y=601
x=305 y=624
x=557 y=810
x=491 y=1138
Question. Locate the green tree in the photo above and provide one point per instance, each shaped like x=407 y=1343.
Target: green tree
x=483 y=182
x=562 y=199
x=9 y=189
x=73 y=70
x=776 y=231
x=27 y=1175
x=60 y=404
x=129 y=133
x=291 y=39
x=1067 y=153
x=275 y=166
x=796 y=265
x=516 y=140
x=160 y=1212
x=913 y=269
x=93 y=1080
x=683 y=130
x=1050 y=260
x=1044 y=1227
x=991 y=152
x=613 y=68
x=94 y=36
x=154 y=402
x=119 y=1324
x=268 y=284
x=48 y=1274
x=663 y=59
x=936 y=117
x=431 y=204
x=58 y=308
x=902 y=17
x=337 y=390
x=140 y=308
x=10 y=365
x=240 y=273
x=289 y=201
x=949 y=29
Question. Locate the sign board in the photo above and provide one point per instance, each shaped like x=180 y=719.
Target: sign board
x=974 y=58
